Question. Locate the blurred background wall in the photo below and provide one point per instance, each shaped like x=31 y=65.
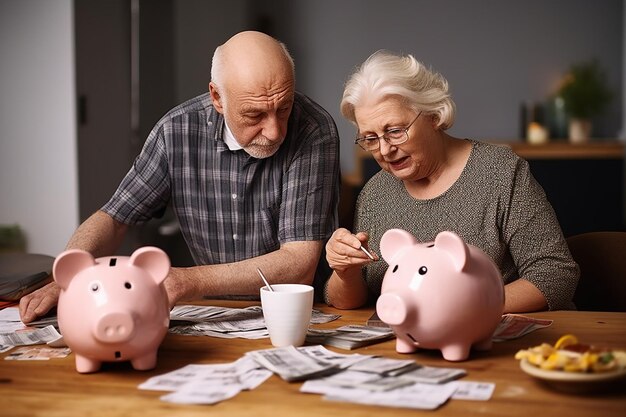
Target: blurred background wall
x=38 y=171
x=83 y=81
x=495 y=54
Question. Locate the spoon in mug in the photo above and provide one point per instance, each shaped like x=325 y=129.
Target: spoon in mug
x=267 y=284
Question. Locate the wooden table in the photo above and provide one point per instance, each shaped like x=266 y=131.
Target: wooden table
x=53 y=388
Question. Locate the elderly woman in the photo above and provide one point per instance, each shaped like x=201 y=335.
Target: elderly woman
x=431 y=182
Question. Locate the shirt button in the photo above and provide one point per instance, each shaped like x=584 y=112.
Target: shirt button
x=210 y=123
x=235 y=236
x=234 y=196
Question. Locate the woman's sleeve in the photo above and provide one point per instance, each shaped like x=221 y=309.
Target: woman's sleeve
x=536 y=241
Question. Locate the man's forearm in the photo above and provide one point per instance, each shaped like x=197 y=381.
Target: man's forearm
x=294 y=262
x=100 y=235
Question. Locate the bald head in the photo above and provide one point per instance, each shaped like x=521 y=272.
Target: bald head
x=251 y=57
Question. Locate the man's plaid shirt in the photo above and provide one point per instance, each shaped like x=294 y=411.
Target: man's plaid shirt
x=232 y=206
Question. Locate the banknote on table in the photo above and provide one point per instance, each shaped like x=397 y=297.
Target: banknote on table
x=385 y=383
x=433 y=374
x=349 y=337
x=201 y=394
x=363 y=379
x=385 y=366
x=342 y=361
x=30 y=336
x=219 y=319
x=224 y=322
x=319 y=317
x=415 y=396
x=208 y=329
x=513 y=326
x=10 y=320
x=198 y=313
x=353 y=379
x=206 y=313
x=473 y=390
x=346 y=378
x=244 y=373
x=291 y=364
x=37 y=353
x=213 y=389
x=208 y=384
x=48 y=320
x=410 y=389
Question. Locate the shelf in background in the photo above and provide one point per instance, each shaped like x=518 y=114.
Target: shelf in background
x=565 y=150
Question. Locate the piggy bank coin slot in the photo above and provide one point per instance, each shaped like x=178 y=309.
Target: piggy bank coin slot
x=112 y=261
x=118 y=354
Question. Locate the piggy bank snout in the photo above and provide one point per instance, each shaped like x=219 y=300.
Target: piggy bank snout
x=391 y=309
x=114 y=327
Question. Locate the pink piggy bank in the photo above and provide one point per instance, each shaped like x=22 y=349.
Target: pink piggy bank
x=445 y=295
x=113 y=309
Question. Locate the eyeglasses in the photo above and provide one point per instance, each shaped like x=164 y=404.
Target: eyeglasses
x=394 y=136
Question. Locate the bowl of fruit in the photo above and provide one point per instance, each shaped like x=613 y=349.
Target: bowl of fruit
x=574 y=366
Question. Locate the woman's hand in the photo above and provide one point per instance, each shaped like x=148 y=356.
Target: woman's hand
x=343 y=250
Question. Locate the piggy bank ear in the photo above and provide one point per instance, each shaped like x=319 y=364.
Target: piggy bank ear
x=70 y=263
x=455 y=247
x=393 y=241
x=152 y=260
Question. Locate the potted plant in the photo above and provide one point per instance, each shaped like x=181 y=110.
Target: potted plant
x=12 y=238
x=585 y=94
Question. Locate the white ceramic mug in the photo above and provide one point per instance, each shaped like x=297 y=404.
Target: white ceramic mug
x=287 y=313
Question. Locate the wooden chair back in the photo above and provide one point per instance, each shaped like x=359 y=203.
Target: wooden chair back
x=602 y=260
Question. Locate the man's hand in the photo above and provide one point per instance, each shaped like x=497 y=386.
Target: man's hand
x=39 y=302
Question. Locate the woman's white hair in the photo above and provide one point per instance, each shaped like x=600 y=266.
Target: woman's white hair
x=385 y=74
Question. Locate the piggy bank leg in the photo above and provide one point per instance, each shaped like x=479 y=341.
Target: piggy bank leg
x=484 y=344
x=405 y=346
x=85 y=365
x=455 y=353
x=145 y=362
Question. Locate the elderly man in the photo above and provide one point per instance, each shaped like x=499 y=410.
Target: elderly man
x=251 y=169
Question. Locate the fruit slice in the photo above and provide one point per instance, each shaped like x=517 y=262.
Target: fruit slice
x=565 y=340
